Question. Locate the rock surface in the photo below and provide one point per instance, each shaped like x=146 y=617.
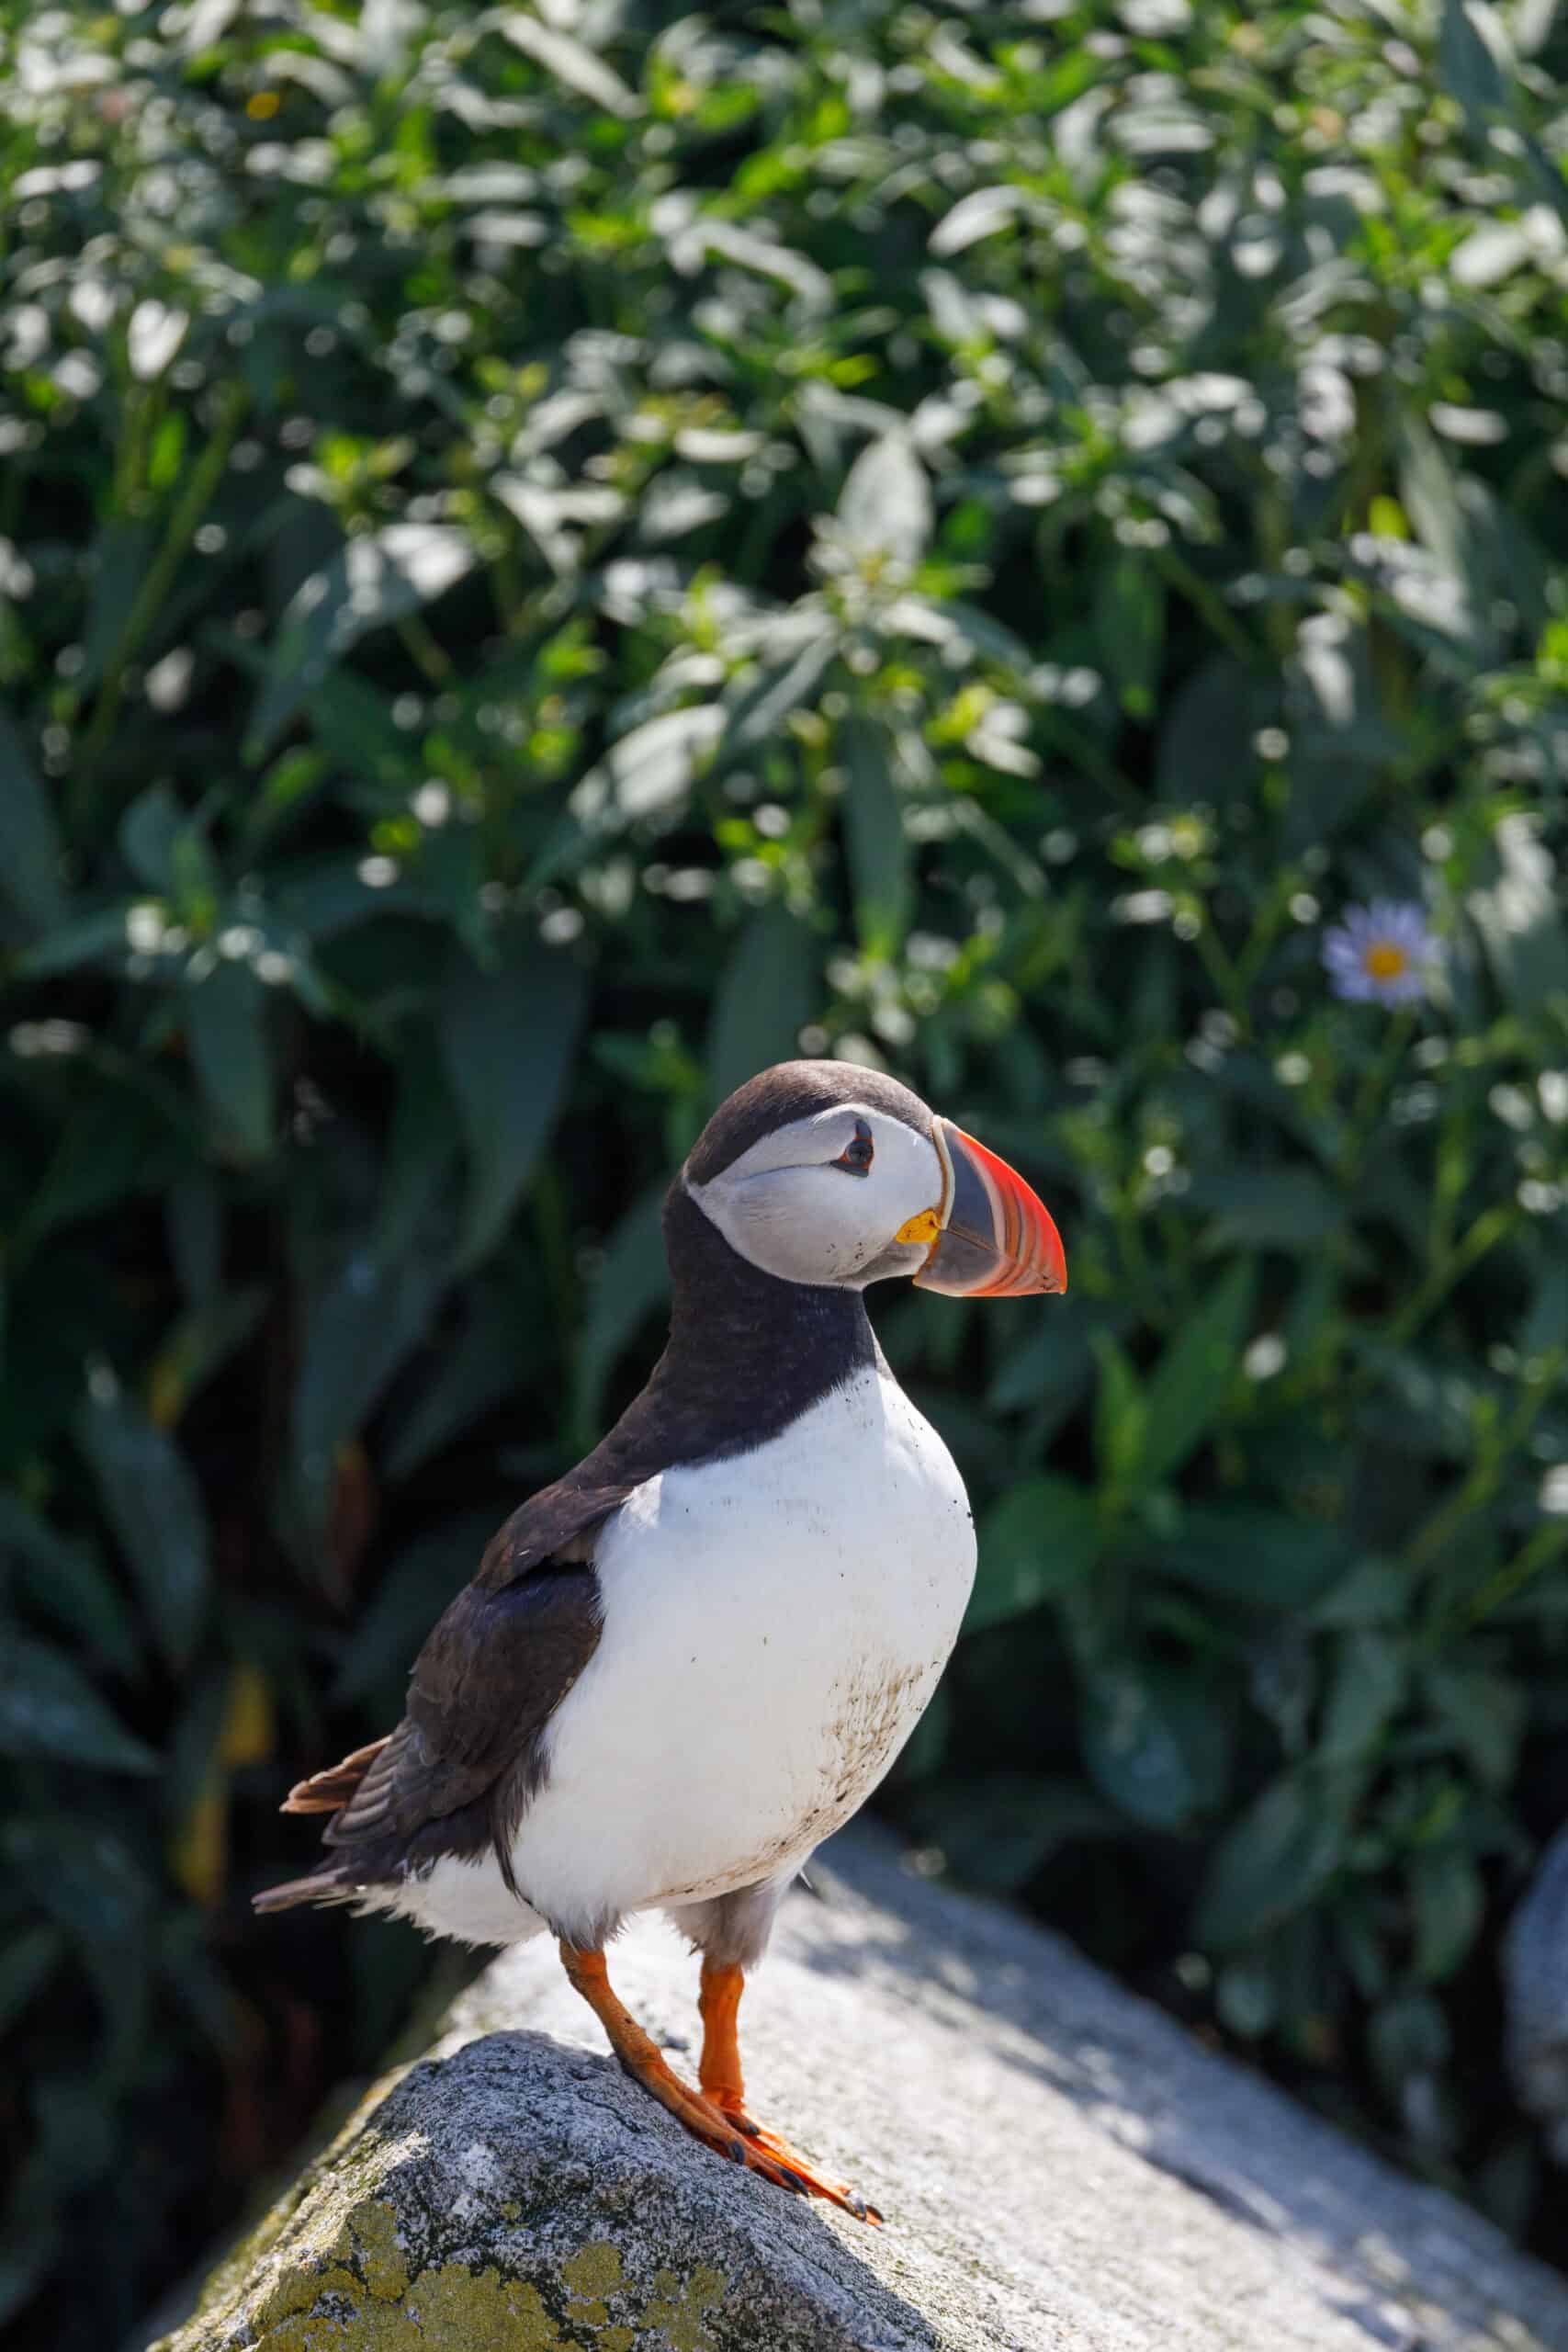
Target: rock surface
x=1060 y=2166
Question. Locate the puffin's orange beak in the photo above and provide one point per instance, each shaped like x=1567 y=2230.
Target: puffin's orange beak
x=993 y=1237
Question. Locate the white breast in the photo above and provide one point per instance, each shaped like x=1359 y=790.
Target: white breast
x=775 y=1626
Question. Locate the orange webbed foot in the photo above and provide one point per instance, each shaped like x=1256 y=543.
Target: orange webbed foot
x=719 y=2122
x=804 y=2172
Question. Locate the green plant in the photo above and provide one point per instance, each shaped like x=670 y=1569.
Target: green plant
x=544 y=569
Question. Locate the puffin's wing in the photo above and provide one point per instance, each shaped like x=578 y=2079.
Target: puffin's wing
x=457 y=1772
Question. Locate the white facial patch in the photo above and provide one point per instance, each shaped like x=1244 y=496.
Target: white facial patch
x=786 y=1205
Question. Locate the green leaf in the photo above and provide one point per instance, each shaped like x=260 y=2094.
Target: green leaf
x=61 y=1580
x=91 y=939
x=486 y=1363
x=757 y=715
x=226 y=1017
x=884 y=507
x=25 y=1964
x=632 y=1281
x=764 y=999
x=1471 y=50
x=1407 y=2038
x=148 y=833
x=416 y=1181
x=1246 y=1995
x=152 y=1502
x=508 y=1039
x=1274 y=1861
x=119 y=565
x=1129 y=620
x=359 y=1333
x=372 y=580
x=199 y=1343
x=1156 y=1742
x=1520 y=917
x=572 y=64
x=1040 y=1540
x=1364 y=1698
x=46 y=1707
x=115 y=1147
x=1266 y=1208
x=1206 y=734
x=1250 y=1552
x=1485 y=1716
x=1184 y=1394
x=29 y=841
x=1447 y=1895
x=998 y=1828
x=877 y=846
x=1121 y=1414
x=646 y=774
x=422 y=1577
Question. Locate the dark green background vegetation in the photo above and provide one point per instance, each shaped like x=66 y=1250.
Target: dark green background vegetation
x=548 y=560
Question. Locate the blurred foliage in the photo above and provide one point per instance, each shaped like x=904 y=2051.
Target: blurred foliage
x=548 y=560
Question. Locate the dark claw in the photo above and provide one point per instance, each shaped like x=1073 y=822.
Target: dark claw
x=737 y=2153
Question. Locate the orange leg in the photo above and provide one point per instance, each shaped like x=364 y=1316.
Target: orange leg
x=724 y=2086
x=728 y=2135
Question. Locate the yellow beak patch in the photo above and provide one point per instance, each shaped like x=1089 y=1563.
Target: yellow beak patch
x=924 y=1228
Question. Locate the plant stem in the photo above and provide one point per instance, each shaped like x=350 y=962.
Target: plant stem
x=193 y=503
x=1369 y=1095
x=1545 y=1545
x=1490 y=1228
x=425 y=651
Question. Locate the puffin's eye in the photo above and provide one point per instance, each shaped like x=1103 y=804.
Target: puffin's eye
x=858 y=1155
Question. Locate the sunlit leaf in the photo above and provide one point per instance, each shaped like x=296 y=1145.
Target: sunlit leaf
x=1520 y=917
x=884 y=508
x=378 y=579
x=571 y=62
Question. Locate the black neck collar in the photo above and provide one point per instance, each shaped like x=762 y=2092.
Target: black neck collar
x=748 y=1352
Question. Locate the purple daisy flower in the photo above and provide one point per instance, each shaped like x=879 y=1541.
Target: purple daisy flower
x=1382 y=953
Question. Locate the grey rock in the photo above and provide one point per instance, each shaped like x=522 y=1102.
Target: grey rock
x=1059 y=2164
x=1535 y=1995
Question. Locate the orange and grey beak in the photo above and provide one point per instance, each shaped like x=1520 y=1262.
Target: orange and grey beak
x=992 y=1237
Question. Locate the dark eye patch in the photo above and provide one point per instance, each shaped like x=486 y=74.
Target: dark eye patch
x=859 y=1153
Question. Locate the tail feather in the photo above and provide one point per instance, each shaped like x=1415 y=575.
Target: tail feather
x=329 y=1790
x=324 y=1888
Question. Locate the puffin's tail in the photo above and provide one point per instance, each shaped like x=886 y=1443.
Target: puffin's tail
x=323 y=1888
x=326 y=1792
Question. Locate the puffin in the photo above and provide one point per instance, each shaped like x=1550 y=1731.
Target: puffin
x=687 y=1662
